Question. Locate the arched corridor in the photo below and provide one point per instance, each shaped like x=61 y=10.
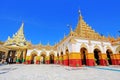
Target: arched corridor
x=42 y=58
x=97 y=53
x=51 y=58
x=109 y=53
x=83 y=52
x=33 y=58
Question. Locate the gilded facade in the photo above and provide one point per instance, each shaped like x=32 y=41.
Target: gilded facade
x=82 y=46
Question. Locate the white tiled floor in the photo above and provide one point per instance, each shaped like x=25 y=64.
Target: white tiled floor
x=57 y=72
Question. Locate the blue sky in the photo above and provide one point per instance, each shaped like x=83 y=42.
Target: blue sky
x=46 y=21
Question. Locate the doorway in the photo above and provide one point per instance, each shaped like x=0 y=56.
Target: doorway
x=83 y=52
x=109 y=53
x=51 y=58
x=97 y=56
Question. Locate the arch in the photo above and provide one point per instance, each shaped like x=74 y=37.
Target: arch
x=52 y=54
x=42 y=53
x=97 y=47
x=34 y=52
x=109 y=53
x=42 y=57
x=108 y=47
x=83 y=45
x=33 y=55
x=83 y=52
x=97 y=54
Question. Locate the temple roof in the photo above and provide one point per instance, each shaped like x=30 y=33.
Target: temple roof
x=83 y=30
x=18 y=38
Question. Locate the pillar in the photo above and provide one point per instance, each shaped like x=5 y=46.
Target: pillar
x=28 y=60
x=75 y=59
x=117 y=59
x=24 y=56
x=37 y=60
x=18 y=57
x=56 y=60
x=90 y=59
x=47 y=60
x=66 y=59
x=104 y=59
x=61 y=59
x=113 y=58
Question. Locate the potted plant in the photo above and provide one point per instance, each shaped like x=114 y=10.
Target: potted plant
x=95 y=61
x=107 y=61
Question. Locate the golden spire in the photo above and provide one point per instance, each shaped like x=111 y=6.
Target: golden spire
x=20 y=31
x=79 y=12
x=83 y=30
x=17 y=39
x=79 y=25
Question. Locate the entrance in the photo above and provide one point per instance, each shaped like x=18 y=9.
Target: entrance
x=51 y=58
x=42 y=59
x=2 y=56
x=83 y=55
x=109 y=53
x=96 y=56
x=33 y=58
x=11 y=57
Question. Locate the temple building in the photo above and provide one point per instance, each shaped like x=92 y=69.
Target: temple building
x=82 y=46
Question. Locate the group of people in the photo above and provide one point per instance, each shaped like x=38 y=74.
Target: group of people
x=9 y=60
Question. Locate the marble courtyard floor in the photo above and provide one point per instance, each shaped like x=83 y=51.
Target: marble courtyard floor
x=58 y=72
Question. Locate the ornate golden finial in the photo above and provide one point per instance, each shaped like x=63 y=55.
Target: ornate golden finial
x=20 y=31
x=79 y=12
